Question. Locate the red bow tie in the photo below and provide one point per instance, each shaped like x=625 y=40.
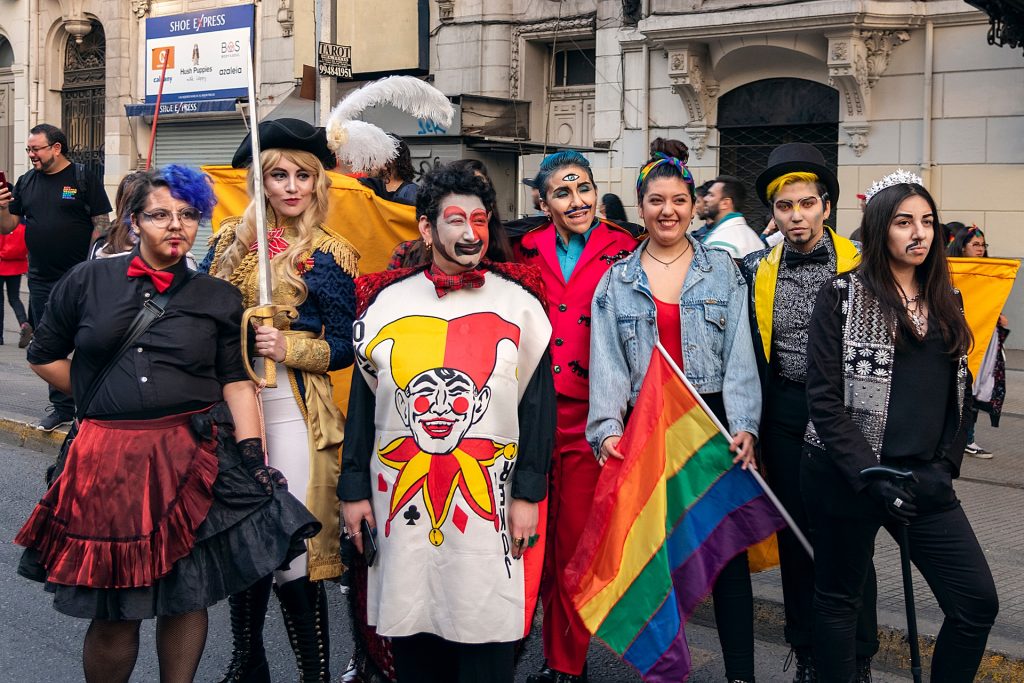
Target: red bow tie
x=444 y=283
x=161 y=278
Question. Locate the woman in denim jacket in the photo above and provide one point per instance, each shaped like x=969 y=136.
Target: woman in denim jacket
x=692 y=299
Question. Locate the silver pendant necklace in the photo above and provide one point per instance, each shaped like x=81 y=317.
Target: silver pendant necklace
x=666 y=264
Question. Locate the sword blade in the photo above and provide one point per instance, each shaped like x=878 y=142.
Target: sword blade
x=266 y=282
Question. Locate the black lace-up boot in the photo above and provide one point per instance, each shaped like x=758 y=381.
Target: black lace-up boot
x=248 y=611
x=304 y=606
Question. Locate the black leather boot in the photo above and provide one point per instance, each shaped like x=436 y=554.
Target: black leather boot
x=248 y=611
x=304 y=606
x=863 y=670
x=805 y=671
x=549 y=675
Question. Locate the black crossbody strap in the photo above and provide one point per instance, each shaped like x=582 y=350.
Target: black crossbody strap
x=150 y=312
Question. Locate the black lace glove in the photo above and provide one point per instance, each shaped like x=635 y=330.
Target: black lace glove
x=251 y=451
x=895 y=502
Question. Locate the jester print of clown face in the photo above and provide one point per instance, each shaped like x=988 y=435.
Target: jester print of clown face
x=440 y=370
x=439 y=406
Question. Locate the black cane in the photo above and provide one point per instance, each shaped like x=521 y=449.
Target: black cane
x=895 y=475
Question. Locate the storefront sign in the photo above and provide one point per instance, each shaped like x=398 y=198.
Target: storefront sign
x=204 y=53
x=334 y=60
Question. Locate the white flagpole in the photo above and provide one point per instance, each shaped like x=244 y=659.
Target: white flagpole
x=757 y=475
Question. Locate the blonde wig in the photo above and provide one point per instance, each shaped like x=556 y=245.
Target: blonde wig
x=288 y=265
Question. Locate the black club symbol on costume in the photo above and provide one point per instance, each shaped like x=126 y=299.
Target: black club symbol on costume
x=412 y=514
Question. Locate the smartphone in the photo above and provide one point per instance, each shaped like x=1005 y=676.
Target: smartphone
x=369 y=543
x=3 y=179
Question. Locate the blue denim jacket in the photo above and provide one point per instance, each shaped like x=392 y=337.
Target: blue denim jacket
x=718 y=354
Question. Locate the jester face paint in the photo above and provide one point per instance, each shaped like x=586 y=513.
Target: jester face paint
x=439 y=406
x=571 y=200
x=460 y=237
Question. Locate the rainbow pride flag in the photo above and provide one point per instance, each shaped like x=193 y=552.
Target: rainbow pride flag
x=666 y=520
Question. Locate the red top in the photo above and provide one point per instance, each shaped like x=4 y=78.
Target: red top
x=670 y=330
x=13 y=254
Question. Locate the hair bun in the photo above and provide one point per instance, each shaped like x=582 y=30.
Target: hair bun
x=670 y=147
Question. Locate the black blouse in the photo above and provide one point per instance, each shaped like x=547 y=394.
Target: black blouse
x=179 y=364
x=536 y=438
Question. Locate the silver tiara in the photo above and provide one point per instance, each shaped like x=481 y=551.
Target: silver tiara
x=896 y=178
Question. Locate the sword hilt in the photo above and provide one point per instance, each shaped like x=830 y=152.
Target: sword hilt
x=265 y=316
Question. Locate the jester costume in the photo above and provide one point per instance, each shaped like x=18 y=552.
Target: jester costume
x=450 y=417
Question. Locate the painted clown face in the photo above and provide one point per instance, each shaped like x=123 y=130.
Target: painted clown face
x=439 y=406
x=460 y=236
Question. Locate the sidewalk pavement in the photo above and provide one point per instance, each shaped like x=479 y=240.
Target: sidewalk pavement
x=992 y=492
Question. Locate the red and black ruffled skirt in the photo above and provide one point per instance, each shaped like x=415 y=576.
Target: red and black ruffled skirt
x=157 y=517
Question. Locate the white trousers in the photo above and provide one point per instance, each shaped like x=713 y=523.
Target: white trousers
x=288 y=452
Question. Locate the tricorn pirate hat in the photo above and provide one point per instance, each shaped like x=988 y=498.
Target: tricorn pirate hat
x=797 y=157
x=287 y=134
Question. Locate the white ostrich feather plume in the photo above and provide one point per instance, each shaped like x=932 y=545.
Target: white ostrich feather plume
x=363 y=146
x=407 y=93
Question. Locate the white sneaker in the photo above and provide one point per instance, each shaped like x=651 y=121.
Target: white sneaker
x=973 y=449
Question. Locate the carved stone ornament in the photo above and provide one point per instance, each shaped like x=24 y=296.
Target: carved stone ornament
x=856 y=60
x=286 y=18
x=140 y=8
x=446 y=10
x=690 y=74
x=521 y=32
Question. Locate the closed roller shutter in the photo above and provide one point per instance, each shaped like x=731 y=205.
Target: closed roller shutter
x=198 y=143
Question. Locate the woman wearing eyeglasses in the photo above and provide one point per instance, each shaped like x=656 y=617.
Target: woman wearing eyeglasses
x=313 y=271
x=163 y=505
x=990 y=384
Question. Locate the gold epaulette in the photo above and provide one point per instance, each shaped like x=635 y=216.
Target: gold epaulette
x=222 y=239
x=343 y=252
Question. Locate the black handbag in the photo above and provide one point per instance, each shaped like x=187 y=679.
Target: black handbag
x=150 y=312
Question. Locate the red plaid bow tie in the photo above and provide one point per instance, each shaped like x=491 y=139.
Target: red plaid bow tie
x=444 y=283
x=161 y=278
x=276 y=243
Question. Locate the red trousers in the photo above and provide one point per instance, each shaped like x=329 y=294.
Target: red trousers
x=574 y=473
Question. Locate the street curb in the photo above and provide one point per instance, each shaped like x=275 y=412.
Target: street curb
x=893 y=653
x=23 y=435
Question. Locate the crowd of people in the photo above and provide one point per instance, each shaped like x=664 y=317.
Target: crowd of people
x=495 y=369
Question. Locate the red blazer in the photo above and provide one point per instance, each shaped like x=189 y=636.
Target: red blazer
x=13 y=253
x=568 y=303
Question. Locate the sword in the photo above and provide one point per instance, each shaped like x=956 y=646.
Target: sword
x=265 y=311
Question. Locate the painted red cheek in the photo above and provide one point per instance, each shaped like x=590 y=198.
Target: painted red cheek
x=461 y=405
x=421 y=404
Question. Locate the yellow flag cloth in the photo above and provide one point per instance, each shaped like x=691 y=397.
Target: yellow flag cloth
x=373 y=225
x=985 y=284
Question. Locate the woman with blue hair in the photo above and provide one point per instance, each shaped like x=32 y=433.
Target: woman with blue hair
x=573 y=251
x=162 y=505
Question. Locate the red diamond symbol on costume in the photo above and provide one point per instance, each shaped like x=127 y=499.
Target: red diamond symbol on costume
x=459 y=518
x=382 y=485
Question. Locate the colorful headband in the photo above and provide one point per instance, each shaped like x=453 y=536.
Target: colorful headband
x=661 y=158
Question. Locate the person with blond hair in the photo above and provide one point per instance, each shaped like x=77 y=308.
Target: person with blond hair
x=801 y=191
x=313 y=271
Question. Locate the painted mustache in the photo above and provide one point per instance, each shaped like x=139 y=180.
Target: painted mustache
x=469 y=249
x=583 y=209
x=914 y=245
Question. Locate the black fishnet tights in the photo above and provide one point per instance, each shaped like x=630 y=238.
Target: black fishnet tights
x=112 y=647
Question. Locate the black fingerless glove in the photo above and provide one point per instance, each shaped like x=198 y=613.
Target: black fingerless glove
x=895 y=502
x=251 y=451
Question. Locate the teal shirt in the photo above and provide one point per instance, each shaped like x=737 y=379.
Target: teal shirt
x=569 y=253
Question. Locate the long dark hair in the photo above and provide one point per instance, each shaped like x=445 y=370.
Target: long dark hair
x=932 y=275
x=613 y=208
x=962 y=237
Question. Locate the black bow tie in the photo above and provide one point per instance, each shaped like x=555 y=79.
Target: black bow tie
x=795 y=258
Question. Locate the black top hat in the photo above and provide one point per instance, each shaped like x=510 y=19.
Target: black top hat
x=797 y=157
x=287 y=134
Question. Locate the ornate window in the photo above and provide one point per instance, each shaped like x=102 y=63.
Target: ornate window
x=82 y=99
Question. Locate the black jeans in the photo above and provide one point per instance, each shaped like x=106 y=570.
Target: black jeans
x=13 y=285
x=426 y=658
x=942 y=546
x=782 y=442
x=38 y=294
x=734 y=618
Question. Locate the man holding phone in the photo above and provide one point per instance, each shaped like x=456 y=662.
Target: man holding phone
x=63 y=206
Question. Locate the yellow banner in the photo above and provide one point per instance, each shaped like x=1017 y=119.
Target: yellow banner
x=985 y=284
x=373 y=225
